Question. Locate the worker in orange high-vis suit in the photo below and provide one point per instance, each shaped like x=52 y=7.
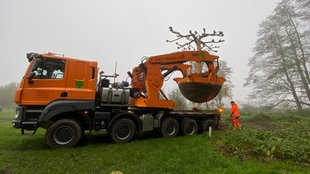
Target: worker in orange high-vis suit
x=235 y=115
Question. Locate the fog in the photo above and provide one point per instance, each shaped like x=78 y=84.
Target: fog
x=125 y=31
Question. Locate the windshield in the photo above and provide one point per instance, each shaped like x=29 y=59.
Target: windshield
x=48 y=68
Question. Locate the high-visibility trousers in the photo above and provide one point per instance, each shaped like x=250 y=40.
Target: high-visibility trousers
x=235 y=120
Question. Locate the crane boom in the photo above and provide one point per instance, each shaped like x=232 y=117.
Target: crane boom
x=148 y=78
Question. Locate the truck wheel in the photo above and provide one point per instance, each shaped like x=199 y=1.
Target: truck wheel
x=169 y=127
x=189 y=126
x=205 y=125
x=123 y=130
x=63 y=133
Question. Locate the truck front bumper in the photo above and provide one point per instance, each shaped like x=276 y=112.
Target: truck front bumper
x=21 y=122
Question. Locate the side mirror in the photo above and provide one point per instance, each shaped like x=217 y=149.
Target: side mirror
x=30 y=77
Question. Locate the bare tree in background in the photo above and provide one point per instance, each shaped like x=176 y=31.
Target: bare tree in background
x=279 y=69
x=226 y=90
x=176 y=95
x=303 y=8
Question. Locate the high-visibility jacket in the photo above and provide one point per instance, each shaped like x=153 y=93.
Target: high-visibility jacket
x=235 y=110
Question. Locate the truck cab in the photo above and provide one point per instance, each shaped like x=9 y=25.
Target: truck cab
x=50 y=81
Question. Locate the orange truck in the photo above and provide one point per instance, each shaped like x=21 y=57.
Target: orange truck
x=68 y=96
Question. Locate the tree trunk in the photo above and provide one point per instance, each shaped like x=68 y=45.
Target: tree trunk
x=303 y=57
x=290 y=82
x=198 y=65
x=298 y=66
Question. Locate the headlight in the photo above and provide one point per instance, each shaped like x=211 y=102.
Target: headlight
x=17 y=114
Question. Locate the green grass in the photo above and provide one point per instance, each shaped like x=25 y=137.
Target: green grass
x=193 y=154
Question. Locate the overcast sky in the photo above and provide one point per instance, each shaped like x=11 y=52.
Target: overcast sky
x=125 y=31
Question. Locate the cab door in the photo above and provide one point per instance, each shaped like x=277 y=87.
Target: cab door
x=46 y=81
x=81 y=80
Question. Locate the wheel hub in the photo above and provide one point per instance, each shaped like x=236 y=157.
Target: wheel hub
x=170 y=129
x=123 y=132
x=63 y=135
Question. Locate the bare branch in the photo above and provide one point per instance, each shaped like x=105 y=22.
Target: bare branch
x=194 y=37
x=184 y=45
x=173 y=40
x=308 y=104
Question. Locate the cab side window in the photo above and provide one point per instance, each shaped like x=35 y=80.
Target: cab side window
x=47 y=68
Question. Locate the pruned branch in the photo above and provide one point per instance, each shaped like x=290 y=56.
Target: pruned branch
x=188 y=44
x=194 y=37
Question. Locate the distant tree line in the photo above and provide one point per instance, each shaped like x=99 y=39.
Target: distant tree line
x=7 y=93
x=279 y=69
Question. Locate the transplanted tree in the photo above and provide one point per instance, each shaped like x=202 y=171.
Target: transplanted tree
x=197 y=39
x=279 y=68
x=205 y=41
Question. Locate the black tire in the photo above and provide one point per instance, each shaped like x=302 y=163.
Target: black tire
x=205 y=124
x=63 y=133
x=169 y=127
x=122 y=130
x=189 y=126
